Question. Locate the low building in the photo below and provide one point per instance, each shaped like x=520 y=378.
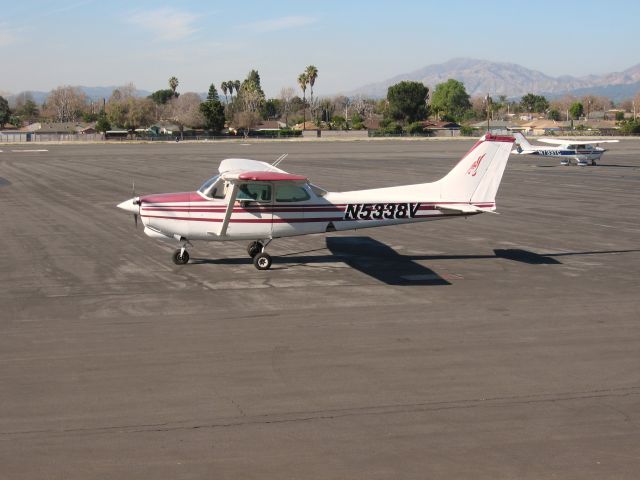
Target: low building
x=541 y=126
x=65 y=128
x=501 y=127
x=269 y=125
x=165 y=128
x=441 y=128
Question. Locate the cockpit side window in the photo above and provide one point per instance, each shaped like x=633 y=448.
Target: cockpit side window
x=291 y=193
x=256 y=192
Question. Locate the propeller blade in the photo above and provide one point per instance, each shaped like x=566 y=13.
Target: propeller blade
x=136 y=201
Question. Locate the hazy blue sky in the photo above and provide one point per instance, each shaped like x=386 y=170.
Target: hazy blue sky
x=44 y=44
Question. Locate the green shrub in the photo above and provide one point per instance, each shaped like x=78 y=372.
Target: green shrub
x=415 y=128
x=392 y=129
x=466 y=130
x=630 y=127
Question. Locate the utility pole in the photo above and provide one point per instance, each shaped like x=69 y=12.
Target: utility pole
x=488 y=100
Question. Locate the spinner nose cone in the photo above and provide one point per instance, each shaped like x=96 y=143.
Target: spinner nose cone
x=132 y=205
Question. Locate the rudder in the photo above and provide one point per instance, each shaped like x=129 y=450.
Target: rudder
x=476 y=178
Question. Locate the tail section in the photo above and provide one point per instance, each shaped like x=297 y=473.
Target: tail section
x=476 y=178
x=522 y=144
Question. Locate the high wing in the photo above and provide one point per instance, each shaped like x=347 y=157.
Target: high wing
x=238 y=170
x=263 y=176
x=559 y=141
x=246 y=165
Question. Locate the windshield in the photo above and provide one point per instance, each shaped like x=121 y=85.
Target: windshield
x=207 y=185
x=212 y=188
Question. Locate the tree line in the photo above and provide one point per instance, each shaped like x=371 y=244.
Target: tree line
x=245 y=105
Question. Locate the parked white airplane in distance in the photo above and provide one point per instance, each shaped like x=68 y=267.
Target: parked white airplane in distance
x=252 y=200
x=582 y=151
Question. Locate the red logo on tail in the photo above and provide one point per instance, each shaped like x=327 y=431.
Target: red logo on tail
x=473 y=169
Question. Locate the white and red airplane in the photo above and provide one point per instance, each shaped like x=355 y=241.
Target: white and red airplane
x=582 y=151
x=252 y=200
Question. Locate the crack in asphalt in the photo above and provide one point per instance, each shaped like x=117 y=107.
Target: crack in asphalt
x=332 y=414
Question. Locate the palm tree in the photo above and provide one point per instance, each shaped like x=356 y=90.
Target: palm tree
x=223 y=87
x=312 y=74
x=303 y=79
x=173 y=84
x=230 y=87
x=237 y=85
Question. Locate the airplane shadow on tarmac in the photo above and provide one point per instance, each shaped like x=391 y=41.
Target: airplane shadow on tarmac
x=383 y=263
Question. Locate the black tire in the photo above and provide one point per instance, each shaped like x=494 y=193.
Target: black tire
x=262 y=261
x=180 y=259
x=593 y=162
x=254 y=249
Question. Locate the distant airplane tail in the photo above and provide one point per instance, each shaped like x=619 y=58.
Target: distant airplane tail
x=476 y=178
x=522 y=144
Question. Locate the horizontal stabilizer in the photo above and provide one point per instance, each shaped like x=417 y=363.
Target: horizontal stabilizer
x=464 y=208
x=520 y=151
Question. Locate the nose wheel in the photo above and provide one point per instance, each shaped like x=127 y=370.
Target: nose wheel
x=180 y=256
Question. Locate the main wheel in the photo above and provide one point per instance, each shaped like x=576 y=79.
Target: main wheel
x=180 y=259
x=254 y=249
x=262 y=261
x=593 y=162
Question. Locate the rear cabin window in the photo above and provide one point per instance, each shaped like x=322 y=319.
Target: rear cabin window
x=257 y=192
x=291 y=193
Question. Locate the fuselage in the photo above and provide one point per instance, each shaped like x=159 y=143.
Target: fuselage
x=579 y=152
x=298 y=210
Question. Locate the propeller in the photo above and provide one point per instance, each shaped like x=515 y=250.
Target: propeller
x=135 y=200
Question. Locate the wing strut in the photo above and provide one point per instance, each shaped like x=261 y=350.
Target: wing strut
x=227 y=214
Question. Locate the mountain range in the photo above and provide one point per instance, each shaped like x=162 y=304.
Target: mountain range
x=499 y=78
x=479 y=77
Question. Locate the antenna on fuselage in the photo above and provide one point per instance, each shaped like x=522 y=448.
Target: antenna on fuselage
x=279 y=159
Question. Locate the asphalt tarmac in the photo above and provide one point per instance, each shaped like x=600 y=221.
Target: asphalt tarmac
x=497 y=347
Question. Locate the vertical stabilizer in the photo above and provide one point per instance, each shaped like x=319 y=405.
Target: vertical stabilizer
x=476 y=178
x=522 y=143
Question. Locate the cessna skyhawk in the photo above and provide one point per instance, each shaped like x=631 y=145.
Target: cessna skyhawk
x=582 y=151
x=257 y=201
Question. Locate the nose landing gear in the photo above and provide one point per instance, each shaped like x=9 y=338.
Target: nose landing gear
x=181 y=256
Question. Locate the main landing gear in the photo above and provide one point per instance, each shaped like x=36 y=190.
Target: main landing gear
x=256 y=250
x=261 y=259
